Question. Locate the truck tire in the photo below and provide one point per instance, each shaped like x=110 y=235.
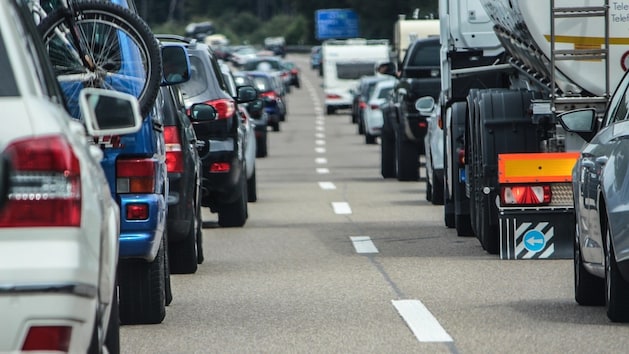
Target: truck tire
x=141 y=286
x=387 y=152
x=503 y=126
x=234 y=214
x=460 y=203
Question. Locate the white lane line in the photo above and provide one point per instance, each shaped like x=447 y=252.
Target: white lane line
x=363 y=244
x=319 y=135
x=323 y=171
x=327 y=185
x=341 y=208
x=320 y=128
x=320 y=142
x=321 y=160
x=319 y=122
x=422 y=323
x=320 y=150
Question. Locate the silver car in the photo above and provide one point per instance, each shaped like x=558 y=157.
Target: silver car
x=601 y=199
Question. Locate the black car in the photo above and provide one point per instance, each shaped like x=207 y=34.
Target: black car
x=184 y=223
x=258 y=115
x=219 y=139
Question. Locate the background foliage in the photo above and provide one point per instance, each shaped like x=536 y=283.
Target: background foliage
x=249 y=21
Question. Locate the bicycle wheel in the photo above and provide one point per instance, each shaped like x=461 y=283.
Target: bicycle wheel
x=116 y=51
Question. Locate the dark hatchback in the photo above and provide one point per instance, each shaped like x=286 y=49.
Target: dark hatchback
x=220 y=139
x=257 y=113
x=184 y=222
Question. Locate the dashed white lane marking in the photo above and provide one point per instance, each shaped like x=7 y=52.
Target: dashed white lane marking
x=363 y=244
x=319 y=135
x=323 y=171
x=422 y=323
x=341 y=208
x=320 y=128
x=327 y=185
x=321 y=160
x=319 y=122
x=320 y=142
x=320 y=150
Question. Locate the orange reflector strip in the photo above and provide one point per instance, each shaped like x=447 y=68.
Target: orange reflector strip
x=536 y=167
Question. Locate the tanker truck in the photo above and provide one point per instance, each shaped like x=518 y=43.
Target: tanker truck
x=509 y=69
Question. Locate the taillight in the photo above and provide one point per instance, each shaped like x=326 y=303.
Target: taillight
x=374 y=106
x=461 y=153
x=48 y=338
x=225 y=108
x=362 y=105
x=439 y=122
x=525 y=195
x=294 y=71
x=138 y=211
x=174 y=155
x=333 y=96
x=269 y=94
x=220 y=167
x=45 y=184
x=135 y=175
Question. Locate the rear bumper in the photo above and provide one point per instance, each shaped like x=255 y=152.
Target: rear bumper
x=141 y=238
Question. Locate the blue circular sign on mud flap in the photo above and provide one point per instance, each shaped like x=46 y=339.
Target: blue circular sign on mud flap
x=534 y=240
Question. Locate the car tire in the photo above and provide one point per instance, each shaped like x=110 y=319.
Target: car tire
x=261 y=146
x=370 y=139
x=234 y=214
x=407 y=160
x=112 y=337
x=183 y=254
x=387 y=153
x=589 y=290
x=437 y=189
x=329 y=110
x=252 y=188
x=276 y=126
x=616 y=287
x=141 y=286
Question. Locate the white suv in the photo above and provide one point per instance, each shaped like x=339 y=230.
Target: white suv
x=59 y=227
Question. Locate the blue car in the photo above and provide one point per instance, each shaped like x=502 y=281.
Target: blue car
x=269 y=85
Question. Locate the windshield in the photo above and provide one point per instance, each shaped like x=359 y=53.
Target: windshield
x=354 y=71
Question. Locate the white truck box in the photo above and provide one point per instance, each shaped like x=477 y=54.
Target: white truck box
x=406 y=31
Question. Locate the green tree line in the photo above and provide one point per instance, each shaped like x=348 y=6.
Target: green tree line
x=252 y=20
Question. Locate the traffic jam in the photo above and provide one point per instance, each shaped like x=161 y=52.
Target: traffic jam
x=461 y=188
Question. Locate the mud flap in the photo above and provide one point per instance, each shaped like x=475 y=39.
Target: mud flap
x=536 y=234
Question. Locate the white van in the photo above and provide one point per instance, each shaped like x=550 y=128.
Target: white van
x=344 y=63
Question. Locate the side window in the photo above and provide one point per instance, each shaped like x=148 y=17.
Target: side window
x=619 y=106
x=218 y=73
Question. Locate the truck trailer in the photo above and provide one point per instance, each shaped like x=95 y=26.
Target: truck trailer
x=509 y=69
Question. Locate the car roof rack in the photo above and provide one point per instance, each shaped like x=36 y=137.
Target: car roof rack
x=173 y=37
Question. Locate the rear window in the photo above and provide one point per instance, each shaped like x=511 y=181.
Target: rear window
x=265 y=65
x=426 y=54
x=198 y=82
x=354 y=71
x=9 y=86
x=262 y=83
x=384 y=92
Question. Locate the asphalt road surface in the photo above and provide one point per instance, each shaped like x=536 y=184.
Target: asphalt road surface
x=336 y=259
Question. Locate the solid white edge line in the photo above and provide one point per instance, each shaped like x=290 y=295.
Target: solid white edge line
x=422 y=323
x=341 y=208
x=363 y=244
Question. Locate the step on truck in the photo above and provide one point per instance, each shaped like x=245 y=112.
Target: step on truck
x=508 y=69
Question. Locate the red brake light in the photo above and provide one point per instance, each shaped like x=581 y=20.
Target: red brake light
x=374 y=106
x=225 y=108
x=48 y=338
x=46 y=184
x=174 y=155
x=461 y=153
x=269 y=94
x=135 y=175
x=137 y=211
x=362 y=105
x=220 y=167
x=525 y=195
x=332 y=96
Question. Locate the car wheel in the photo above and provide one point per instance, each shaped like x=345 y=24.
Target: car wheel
x=329 y=110
x=276 y=126
x=112 y=337
x=183 y=254
x=407 y=160
x=370 y=139
x=617 y=288
x=252 y=189
x=234 y=214
x=589 y=290
x=142 y=290
x=261 y=146
x=437 y=189
x=387 y=154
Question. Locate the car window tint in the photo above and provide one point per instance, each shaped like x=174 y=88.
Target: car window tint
x=384 y=92
x=353 y=71
x=198 y=78
x=426 y=55
x=9 y=86
x=262 y=84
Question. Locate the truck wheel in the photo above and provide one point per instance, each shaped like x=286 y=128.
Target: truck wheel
x=589 y=290
x=234 y=214
x=387 y=153
x=461 y=218
x=407 y=159
x=141 y=286
x=617 y=288
x=463 y=225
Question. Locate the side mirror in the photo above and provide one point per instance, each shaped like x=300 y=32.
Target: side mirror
x=425 y=105
x=202 y=112
x=255 y=107
x=108 y=112
x=175 y=64
x=246 y=94
x=580 y=121
x=387 y=69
